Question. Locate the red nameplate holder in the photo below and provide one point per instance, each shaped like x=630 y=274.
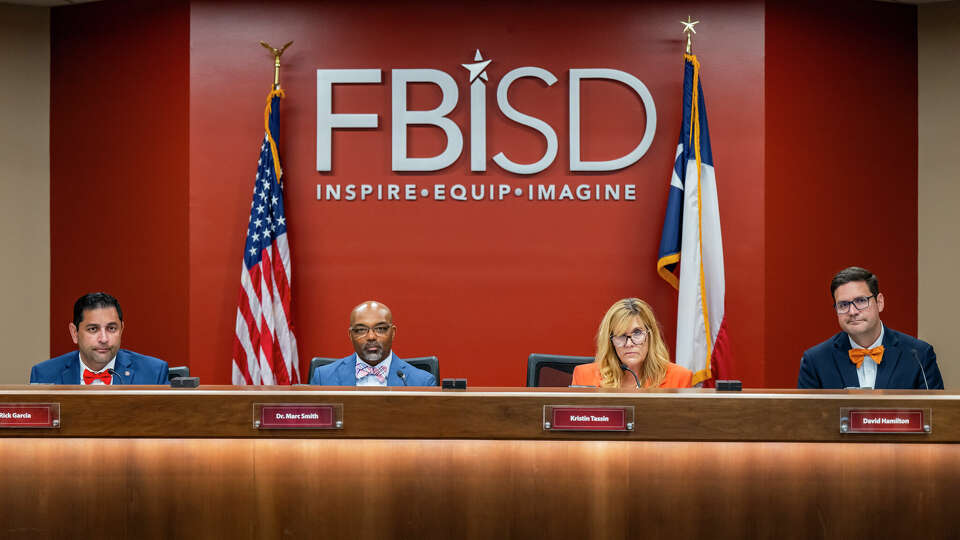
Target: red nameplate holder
x=577 y=418
x=880 y=420
x=30 y=415
x=297 y=416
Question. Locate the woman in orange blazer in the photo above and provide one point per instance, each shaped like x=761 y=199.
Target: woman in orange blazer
x=629 y=335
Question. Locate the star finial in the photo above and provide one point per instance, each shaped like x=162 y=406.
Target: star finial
x=689 y=31
x=477 y=68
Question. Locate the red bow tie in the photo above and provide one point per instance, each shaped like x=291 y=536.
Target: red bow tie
x=89 y=377
x=377 y=371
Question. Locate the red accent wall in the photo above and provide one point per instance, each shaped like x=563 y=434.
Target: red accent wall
x=118 y=168
x=841 y=166
x=807 y=118
x=480 y=284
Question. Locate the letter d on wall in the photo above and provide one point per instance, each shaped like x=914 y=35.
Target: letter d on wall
x=437 y=117
x=637 y=85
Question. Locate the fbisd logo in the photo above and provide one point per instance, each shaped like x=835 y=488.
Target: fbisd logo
x=327 y=121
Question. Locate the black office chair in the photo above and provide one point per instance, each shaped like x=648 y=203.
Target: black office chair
x=429 y=364
x=318 y=361
x=177 y=372
x=552 y=369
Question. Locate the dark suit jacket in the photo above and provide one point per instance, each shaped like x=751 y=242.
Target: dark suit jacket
x=133 y=368
x=828 y=364
x=343 y=372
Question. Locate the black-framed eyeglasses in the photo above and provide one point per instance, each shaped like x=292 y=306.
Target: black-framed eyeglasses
x=638 y=336
x=360 y=331
x=860 y=302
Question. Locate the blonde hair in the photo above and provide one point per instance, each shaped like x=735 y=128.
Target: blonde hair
x=617 y=321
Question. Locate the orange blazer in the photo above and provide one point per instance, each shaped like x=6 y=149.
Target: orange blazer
x=589 y=375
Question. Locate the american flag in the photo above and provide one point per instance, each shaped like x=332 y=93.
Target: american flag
x=264 y=347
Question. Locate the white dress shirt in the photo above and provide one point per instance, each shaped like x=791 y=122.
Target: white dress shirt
x=105 y=368
x=867 y=372
x=371 y=379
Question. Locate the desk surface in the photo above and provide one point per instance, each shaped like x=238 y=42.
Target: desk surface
x=479 y=413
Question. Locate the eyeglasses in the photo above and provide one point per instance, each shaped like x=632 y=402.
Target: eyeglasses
x=360 y=331
x=638 y=336
x=860 y=302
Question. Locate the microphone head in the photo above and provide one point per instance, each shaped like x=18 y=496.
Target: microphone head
x=401 y=374
x=117 y=374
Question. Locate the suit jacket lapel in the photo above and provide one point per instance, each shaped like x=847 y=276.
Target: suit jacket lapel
x=841 y=355
x=396 y=365
x=891 y=357
x=124 y=367
x=347 y=372
x=71 y=373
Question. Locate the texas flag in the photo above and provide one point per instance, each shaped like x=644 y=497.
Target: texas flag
x=691 y=237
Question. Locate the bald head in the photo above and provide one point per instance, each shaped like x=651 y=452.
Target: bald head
x=371 y=331
x=368 y=307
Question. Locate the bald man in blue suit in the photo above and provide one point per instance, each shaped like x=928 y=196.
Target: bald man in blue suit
x=373 y=364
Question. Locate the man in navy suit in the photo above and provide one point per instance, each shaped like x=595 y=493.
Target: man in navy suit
x=373 y=364
x=96 y=329
x=867 y=354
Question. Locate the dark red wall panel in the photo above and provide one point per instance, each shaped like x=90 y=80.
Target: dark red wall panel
x=841 y=166
x=118 y=168
x=480 y=284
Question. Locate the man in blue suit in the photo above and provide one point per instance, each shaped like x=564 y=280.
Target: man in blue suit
x=867 y=354
x=96 y=329
x=373 y=364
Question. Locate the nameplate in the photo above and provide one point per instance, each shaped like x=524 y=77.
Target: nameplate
x=297 y=416
x=30 y=415
x=876 y=420
x=574 y=418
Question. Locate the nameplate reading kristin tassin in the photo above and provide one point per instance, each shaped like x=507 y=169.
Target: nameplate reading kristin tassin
x=574 y=418
x=30 y=415
x=875 y=420
x=297 y=416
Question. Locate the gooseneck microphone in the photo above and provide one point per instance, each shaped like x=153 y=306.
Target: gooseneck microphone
x=635 y=378
x=919 y=363
x=116 y=374
x=403 y=376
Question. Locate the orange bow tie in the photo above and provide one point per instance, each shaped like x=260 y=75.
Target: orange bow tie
x=856 y=355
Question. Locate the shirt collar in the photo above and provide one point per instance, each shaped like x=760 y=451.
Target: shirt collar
x=385 y=363
x=853 y=344
x=83 y=366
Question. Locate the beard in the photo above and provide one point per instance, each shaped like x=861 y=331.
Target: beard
x=372 y=357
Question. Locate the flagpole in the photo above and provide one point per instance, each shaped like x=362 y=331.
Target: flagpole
x=275 y=92
x=687 y=29
x=277 y=53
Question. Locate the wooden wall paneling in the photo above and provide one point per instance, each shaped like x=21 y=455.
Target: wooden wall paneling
x=295 y=488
